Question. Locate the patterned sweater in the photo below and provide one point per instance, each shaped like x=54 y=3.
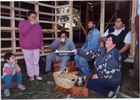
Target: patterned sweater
x=107 y=64
x=9 y=70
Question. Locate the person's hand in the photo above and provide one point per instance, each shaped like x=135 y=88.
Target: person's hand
x=95 y=76
x=81 y=49
x=16 y=62
x=42 y=49
x=33 y=22
x=75 y=51
x=59 y=41
x=13 y=63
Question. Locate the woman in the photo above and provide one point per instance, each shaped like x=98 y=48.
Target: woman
x=31 y=40
x=107 y=63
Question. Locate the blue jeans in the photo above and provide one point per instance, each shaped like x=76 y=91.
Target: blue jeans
x=8 y=79
x=83 y=65
x=101 y=86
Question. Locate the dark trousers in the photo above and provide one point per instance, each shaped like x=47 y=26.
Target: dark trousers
x=101 y=86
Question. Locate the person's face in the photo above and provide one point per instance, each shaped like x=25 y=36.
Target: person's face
x=63 y=36
x=11 y=60
x=90 y=25
x=31 y=17
x=109 y=43
x=119 y=24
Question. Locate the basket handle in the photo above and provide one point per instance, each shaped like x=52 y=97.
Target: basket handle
x=63 y=69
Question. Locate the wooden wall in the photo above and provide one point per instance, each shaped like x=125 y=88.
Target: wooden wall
x=13 y=12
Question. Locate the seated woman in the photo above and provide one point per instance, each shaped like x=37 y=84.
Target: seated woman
x=108 y=63
x=61 y=44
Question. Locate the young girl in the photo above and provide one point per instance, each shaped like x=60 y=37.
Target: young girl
x=31 y=40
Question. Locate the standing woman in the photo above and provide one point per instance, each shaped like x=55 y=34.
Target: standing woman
x=31 y=40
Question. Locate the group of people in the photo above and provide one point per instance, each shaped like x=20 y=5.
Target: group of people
x=108 y=59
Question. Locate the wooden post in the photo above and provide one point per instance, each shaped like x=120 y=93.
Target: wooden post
x=86 y=16
x=37 y=10
x=56 y=3
x=102 y=17
x=133 y=33
x=12 y=23
x=71 y=21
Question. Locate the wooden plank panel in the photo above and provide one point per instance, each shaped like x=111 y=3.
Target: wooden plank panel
x=71 y=21
x=102 y=17
x=133 y=32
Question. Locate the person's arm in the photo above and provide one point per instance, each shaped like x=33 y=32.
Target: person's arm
x=94 y=42
x=89 y=54
x=127 y=41
x=85 y=44
x=8 y=69
x=17 y=68
x=24 y=28
x=126 y=47
x=54 y=45
x=72 y=45
x=41 y=40
x=104 y=36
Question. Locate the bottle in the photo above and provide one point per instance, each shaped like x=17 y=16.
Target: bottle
x=85 y=79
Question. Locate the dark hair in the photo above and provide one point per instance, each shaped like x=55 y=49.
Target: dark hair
x=93 y=21
x=7 y=56
x=63 y=31
x=123 y=18
x=29 y=13
x=115 y=39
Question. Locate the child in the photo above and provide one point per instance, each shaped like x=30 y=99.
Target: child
x=11 y=72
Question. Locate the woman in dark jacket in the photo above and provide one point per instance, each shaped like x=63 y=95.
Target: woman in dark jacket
x=107 y=63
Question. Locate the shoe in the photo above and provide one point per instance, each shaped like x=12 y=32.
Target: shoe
x=39 y=78
x=114 y=95
x=22 y=87
x=6 y=92
x=31 y=79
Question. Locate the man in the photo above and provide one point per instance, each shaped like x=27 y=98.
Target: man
x=93 y=41
x=123 y=33
x=61 y=44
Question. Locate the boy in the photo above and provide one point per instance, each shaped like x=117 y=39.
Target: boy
x=11 y=72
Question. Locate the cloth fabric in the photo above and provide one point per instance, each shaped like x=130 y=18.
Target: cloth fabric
x=93 y=41
x=100 y=86
x=32 y=59
x=30 y=36
x=107 y=64
x=127 y=39
x=62 y=47
x=137 y=26
x=136 y=64
x=8 y=79
x=8 y=69
x=67 y=45
x=51 y=58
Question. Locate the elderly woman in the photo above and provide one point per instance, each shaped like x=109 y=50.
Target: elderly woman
x=108 y=63
x=61 y=44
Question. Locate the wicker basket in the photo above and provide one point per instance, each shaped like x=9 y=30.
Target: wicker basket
x=64 y=78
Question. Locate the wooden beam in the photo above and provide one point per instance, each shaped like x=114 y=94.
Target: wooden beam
x=12 y=24
x=71 y=20
x=133 y=32
x=102 y=17
x=110 y=20
x=56 y=18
